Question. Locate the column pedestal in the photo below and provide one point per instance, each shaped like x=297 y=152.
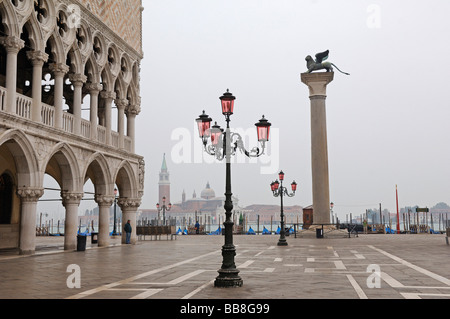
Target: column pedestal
x=317 y=84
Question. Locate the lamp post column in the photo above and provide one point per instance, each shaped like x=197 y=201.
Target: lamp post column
x=282 y=241
x=228 y=274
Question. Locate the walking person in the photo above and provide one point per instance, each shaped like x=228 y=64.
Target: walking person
x=127 y=228
x=365 y=226
x=197 y=228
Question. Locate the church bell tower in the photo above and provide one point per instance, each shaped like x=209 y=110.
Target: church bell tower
x=164 y=183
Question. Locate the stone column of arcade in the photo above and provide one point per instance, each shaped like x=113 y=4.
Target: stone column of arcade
x=129 y=208
x=71 y=201
x=37 y=59
x=59 y=71
x=317 y=84
x=29 y=197
x=104 y=204
x=12 y=45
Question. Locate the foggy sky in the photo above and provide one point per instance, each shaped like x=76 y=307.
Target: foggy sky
x=387 y=122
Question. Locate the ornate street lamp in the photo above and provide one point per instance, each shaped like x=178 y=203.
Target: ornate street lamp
x=114 y=233
x=280 y=191
x=224 y=146
x=164 y=208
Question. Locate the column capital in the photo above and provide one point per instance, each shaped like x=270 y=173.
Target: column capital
x=121 y=103
x=109 y=95
x=93 y=88
x=59 y=69
x=12 y=43
x=317 y=82
x=30 y=194
x=77 y=79
x=133 y=109
x=104 y=200
x=37 y=58
x=71 y=198
x=131 y=203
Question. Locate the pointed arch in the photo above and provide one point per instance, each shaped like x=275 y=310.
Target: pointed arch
x=63 y=166
x=125 y=179
x=98 y=171
x=91 y=71
x=56 y=47
x=25 y=159
x=35 y=34
x=9 y=19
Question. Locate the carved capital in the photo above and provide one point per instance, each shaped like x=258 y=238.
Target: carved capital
x=59 y=69
x=133 y=110
x=129 y=203
x=93 y=88
x=317 y=82
x=12 y=44
x=108 y=95
x=121 y=103
x=71 y=198
x=77 y=79
x=104 y=200
x=30 y=194
x=37 y=57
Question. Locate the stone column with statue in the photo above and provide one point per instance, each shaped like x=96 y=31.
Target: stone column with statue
x=317 y=84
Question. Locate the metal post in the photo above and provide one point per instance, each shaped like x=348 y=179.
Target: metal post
x=114 y=228
x=282 y=241
x=228 y=274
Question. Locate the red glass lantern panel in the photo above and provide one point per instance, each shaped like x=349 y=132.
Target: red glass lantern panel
x=272 y=186
x=294 y=186
x=281 y=175
x=263 y=129
x=276 y=185
x=204 y=123
x=227 y=100
x=216 y=133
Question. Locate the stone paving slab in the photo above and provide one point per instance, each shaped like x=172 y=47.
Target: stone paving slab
x=410 y=266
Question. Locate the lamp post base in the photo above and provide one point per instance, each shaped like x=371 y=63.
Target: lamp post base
x=228 y=279
x=282 y=242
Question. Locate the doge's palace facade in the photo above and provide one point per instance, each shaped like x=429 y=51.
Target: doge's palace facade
x=64 y=66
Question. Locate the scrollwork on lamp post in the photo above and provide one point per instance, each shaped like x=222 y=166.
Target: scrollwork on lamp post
x=163 y=208
x=223 y=146
x=279 y=190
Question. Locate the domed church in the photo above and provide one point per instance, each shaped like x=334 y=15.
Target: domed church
x=208 y=193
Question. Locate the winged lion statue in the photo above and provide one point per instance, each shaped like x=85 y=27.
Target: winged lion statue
x=319 y=64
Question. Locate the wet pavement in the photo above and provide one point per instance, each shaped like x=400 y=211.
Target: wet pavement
x=372 y=266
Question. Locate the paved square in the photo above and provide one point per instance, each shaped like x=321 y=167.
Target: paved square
x=374 y=266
